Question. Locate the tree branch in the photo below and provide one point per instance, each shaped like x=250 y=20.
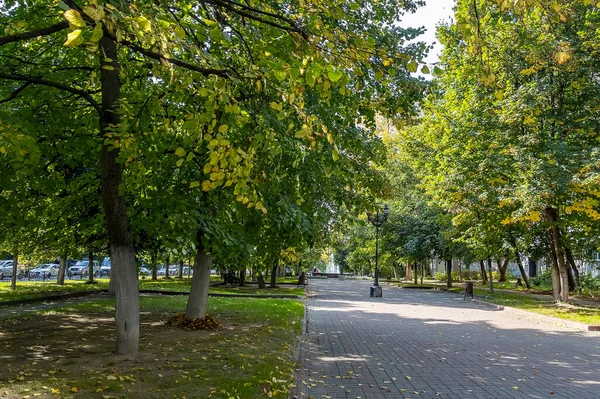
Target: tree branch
x=34 y=33
x=289 y=29
x=174 y=61
x=15 y=93
x=33 y=80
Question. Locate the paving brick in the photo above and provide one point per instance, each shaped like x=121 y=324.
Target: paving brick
x=439 y=346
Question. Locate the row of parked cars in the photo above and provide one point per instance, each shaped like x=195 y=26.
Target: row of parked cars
x=81 y=269
x=50 y=270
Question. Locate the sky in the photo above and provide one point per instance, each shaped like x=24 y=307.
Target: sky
x=429 y=16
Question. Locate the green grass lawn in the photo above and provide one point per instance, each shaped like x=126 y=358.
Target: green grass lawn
x=34 y=289
x=67 y=352
x=582 y=314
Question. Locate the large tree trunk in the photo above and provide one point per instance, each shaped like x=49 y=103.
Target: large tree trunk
x=570 y=277
x=491 y=276
x=483 y=273
x=513 y=242
x=198 y=300
x=503 y=268
x=274 y=276
x=124 y=273
x=556 y=239
x=13 y=279
x=91 y=267
x=573 y=266
x=62 y=268
x=449 y=273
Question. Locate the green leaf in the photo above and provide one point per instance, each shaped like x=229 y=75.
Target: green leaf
x=194 y=184
x=180 y=152
x=425 y=70
x=97 y=33
x=334 y=74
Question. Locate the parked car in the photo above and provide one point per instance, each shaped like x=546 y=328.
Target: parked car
x=6 y=267
x=45 y=270
x=81 y=269
x=144 y=271
x=105 y=268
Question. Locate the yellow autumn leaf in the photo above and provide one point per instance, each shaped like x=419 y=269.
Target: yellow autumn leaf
x=74 y=18
x=74 y=389
x=74 y=38
x=96 y=13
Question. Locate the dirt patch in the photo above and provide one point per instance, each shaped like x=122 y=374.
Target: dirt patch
x=62 y=355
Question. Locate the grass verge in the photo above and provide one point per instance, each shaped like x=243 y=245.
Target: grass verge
x=36 y=289
x=67 y=352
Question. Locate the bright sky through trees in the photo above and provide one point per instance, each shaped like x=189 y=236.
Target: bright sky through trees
x=429 y=16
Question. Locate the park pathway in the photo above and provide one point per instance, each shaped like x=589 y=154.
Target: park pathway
x=427 y=344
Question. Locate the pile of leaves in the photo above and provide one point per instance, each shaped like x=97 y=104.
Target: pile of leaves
x=207 y=322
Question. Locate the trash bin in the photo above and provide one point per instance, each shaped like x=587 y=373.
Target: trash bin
x=468 y=290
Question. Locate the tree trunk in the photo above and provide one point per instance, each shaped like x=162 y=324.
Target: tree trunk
x=409 y=270
x=13 y=279
x=190 y=263
x=180 y=268
x=90 y=267
x=416 y=273
x=483 y=273
x=449 y=273
x=242 y=277
x=571 y=262
x=153 y=266
x=395 y=270
x=570 y=277
x=274 y=276
x=127 y=309
x=513 y=242
x=261 y=282
x=503 y=269
x=62 y=268
x=422 y=271
x=196 y=306
x=555 y=272
x=552 y=217
x=532 y=264
x=167 y=276
x=491 y=276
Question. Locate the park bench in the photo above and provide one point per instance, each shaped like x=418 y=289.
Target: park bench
x=230 y=278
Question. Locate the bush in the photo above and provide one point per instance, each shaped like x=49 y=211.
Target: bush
x=589 y=283
x=442 y=276
x=543 y=279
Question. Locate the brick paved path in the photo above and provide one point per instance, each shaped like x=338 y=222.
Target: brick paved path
x=427 y=344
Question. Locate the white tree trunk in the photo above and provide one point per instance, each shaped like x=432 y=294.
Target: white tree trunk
x=196 y=306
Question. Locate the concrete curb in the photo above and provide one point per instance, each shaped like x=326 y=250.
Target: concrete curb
x=489 y=304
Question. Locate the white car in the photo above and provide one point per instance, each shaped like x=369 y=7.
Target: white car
x=81 y=269
x=45 y=270
x=6 y=267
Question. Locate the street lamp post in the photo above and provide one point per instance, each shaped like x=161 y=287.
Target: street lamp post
x=377 y=220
